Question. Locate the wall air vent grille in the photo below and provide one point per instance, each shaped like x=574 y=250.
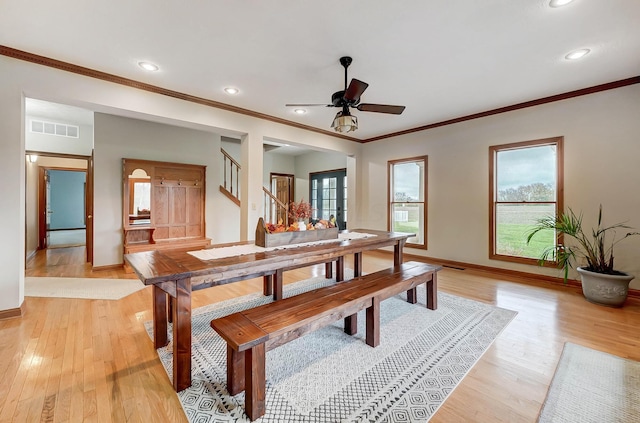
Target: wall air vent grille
x=52 y=128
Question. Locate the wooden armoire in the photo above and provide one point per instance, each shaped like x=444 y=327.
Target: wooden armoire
x=173 y=215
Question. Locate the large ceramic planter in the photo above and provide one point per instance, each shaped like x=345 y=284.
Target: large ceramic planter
x=607 y=290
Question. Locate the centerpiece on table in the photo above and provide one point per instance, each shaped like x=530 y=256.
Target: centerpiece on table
x=299 y=231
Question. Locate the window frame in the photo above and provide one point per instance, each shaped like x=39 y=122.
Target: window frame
x=493 y=151
x=424 y=202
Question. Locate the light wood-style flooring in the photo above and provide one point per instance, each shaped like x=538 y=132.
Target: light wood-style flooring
x=91 y=360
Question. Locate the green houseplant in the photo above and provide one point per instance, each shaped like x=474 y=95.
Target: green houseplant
x=601 y=282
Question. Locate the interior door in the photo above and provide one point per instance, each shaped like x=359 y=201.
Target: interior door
x=328 y=194
x=43 y=209
x=282 y=186
x=89 y=209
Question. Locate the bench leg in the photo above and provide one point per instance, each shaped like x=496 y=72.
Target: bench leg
x=412 y=296
x=254 y=403
x=351 y=324
x=328 y=270
x=267 y=285
x=373 y=323
x=432 y=292
x=235 y=371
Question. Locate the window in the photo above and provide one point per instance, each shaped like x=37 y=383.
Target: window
x=526 y=183
x=59 y=129
x=408 y=199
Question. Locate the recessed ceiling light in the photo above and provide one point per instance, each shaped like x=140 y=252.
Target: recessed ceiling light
x=148 y=66
x=300 y=111
x=559 y=3
x=231 y=90
x=577 y=54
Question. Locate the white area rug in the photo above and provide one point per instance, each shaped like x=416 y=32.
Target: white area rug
x=592 y=386
x=329 y=376
x=89 y=288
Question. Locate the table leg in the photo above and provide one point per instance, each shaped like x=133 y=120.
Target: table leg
x=397 y=252
x=340 y=269
x=267 y=285
x=357 y=264
x=171 y=307
x=277 y=285
x=160 y=338
x=182 y=335
x=328 y=270
x=432 y=292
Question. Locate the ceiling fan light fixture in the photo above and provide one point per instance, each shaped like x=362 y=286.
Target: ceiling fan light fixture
x=344 y=122
x=231 y=90
x=300 y=111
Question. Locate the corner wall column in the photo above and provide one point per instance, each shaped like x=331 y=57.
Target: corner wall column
x=251 y=185
x=12 y=192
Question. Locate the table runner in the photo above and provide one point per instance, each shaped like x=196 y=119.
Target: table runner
x=239 y=250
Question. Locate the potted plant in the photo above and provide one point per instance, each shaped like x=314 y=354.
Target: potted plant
x=601 y=283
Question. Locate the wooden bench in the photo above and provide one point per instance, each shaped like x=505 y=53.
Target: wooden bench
x=250 y=333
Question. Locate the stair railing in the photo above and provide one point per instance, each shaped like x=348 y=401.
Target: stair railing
x=274 y=209
x=231 y=180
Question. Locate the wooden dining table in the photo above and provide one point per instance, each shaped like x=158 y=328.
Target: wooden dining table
x=174 y=274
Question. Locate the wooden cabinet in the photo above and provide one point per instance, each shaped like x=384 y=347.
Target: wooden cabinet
x=163 y=205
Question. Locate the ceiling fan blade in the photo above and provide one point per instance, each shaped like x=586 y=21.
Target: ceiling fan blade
x=355 y=90
x=309 y=105
x=380 y=108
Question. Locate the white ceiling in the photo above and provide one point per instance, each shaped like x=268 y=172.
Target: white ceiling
x=441 y=59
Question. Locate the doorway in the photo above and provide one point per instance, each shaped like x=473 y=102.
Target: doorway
x=63 y=207
x=59 y=207
x=328 y=194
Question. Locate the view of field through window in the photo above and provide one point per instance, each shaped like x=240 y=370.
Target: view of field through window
x=526 y=191
x=407 y=208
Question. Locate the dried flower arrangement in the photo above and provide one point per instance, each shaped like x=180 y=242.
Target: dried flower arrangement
x=301 y=210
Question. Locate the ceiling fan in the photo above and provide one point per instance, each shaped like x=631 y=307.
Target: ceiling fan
x=350 y=97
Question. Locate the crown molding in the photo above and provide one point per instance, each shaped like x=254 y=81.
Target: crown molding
x=92 y=73
x=532 y=103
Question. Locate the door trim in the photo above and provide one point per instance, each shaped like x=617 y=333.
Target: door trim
x=42 y=221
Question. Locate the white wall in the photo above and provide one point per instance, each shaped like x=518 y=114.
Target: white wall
x=80 y=146
x=277 y=163
x=315 y=162
x=602 y=147
x=600 y=130
x=119 y=137
x=23 y=79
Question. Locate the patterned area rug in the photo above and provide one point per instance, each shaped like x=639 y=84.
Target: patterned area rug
x=329 y=376
x=86 y=288
x=592 y=386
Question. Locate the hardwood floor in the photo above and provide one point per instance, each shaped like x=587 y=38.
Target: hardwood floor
x=91 y=360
